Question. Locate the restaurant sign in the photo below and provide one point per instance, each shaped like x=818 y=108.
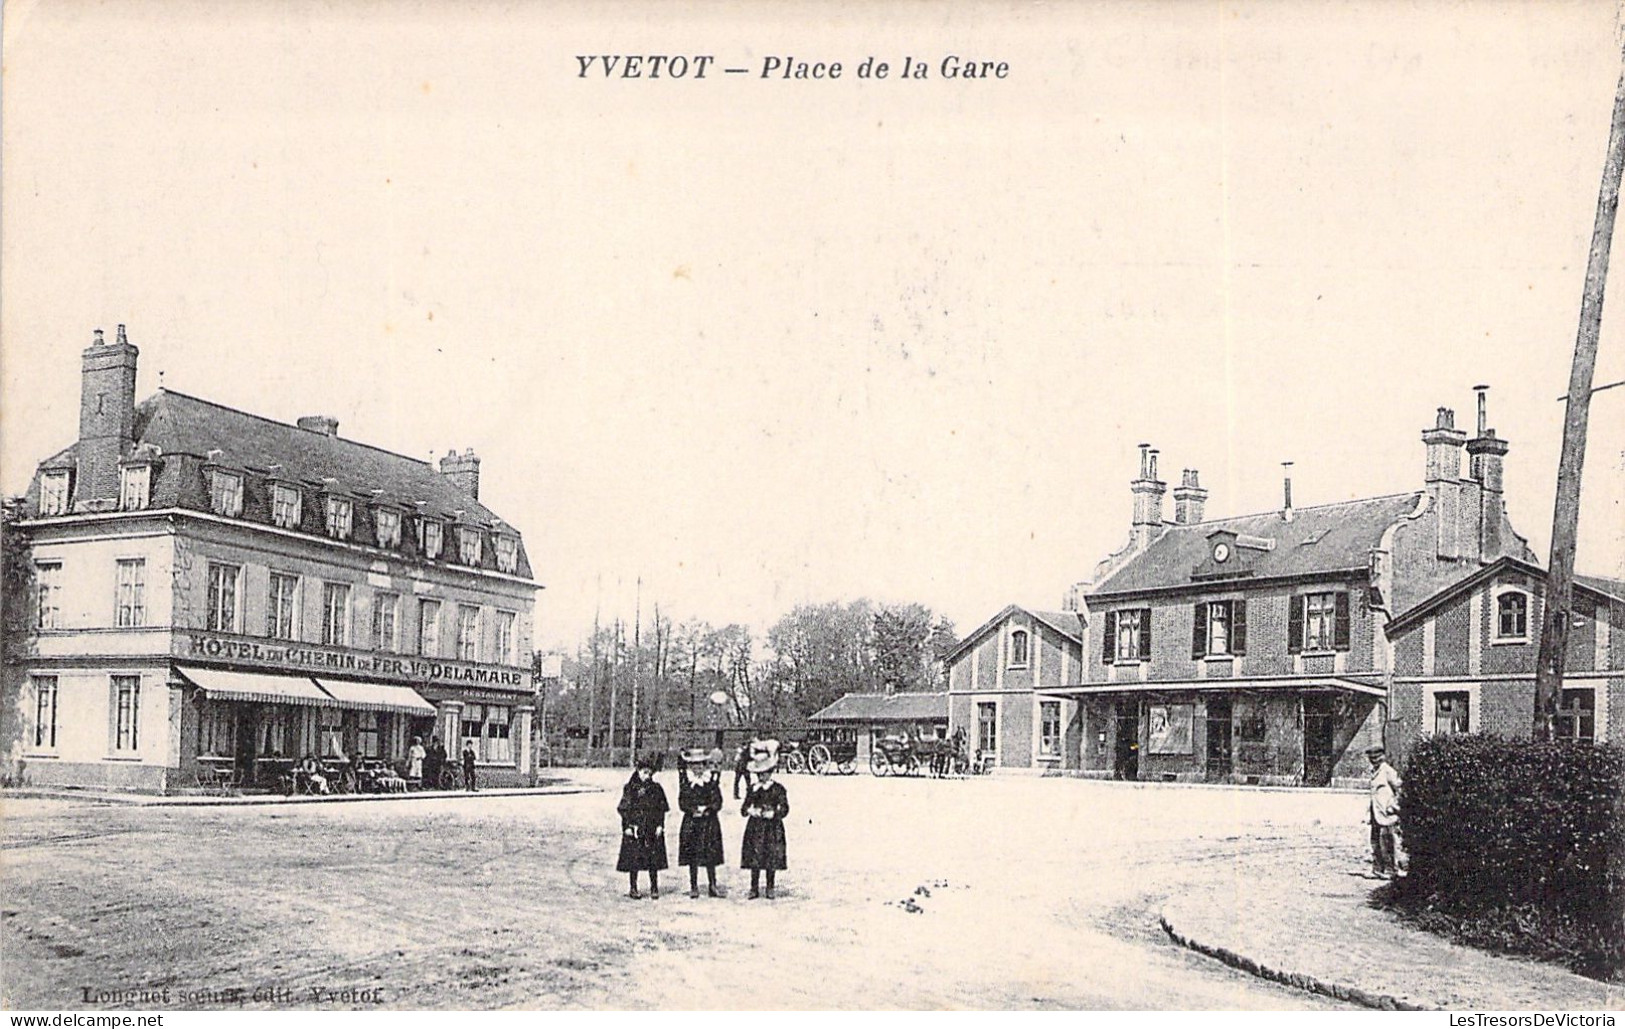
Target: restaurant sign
x=306 y=658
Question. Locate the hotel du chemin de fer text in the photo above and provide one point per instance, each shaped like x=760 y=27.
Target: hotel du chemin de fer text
x=218 y=595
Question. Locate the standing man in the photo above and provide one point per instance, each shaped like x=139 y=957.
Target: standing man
x=468 y=765
x=1384 y=813
x=741 y=771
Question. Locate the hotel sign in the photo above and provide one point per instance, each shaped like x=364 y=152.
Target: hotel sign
x=303 y=657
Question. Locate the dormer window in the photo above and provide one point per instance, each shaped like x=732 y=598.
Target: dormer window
x=432 y=537
x=338 y=518
x=286 y=504
x=468 y=545
x=388 y=523
x=1018 y=649
x=1512 y=617
x=134 y=487
x=226 y=493
x=507 y=553
x=53 y=493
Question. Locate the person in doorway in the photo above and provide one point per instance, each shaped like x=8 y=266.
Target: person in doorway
x=766 y=805
x=699 y=795
x=643 y=810
x=468 y=766
x=1383 y=813
x=414 y=762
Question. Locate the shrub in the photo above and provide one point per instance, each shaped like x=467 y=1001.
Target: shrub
x=1511 y=838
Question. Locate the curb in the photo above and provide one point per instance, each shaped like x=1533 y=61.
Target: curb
x=280 y=800
x=1299 y=980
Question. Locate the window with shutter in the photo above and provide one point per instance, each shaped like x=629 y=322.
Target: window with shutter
x=1238 y=627
x=1294 y=624
x=1341 y=636
x=1145 y=635
x=1108 y=639
x=1199 y=630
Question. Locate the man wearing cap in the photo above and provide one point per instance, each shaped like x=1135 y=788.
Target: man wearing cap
x=1384 y=813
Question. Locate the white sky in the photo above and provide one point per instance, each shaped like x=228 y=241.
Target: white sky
x=767 y=342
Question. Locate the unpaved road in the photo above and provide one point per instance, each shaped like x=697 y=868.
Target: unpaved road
x=987 y=893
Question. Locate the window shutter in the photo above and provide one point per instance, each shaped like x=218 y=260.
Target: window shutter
x=1294 y=625
x=1199 y=630
x=1342 y=625
x=1238 y=627
x=1108 y=640
x=1145 y=634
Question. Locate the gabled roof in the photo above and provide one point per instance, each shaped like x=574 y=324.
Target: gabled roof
x=1319 y=539
x=1596 y=586
x=885 y=707
x=1068 y=623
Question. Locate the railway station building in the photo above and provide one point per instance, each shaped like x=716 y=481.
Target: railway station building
x=1255 y=649
x=218 y=594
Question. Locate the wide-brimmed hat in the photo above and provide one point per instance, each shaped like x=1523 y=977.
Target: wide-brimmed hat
x=695 y=755
x=764 y=756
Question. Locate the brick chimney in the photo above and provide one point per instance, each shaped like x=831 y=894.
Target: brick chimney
x=463 y=470
x=327 y=425
x=1189 y=498
x=1485 y=456
x=1148 y=492
x=1443 y=473
x=106 y=420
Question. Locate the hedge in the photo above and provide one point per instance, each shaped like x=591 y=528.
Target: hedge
x=1499 y=827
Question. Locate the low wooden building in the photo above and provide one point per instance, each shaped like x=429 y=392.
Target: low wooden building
x=865 y=718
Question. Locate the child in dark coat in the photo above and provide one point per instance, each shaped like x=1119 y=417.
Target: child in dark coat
x=765 y=806
x=699 y=842
x=643 y=810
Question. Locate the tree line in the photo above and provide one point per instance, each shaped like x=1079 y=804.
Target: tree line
x=682 y=680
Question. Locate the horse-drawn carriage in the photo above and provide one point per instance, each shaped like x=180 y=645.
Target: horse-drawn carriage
x=906 y=755
x=823 y=752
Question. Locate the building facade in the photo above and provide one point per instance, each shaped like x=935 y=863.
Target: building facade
x=1248 y=649
x=1464 y=658
x=996 y=678
x=220 y=593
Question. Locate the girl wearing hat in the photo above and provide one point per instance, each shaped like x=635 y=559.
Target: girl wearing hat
x=765 y=807
x=643 y=810
x=699 y=842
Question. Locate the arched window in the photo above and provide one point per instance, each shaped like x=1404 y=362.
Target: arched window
x=1018 y=647
x=1512 y=615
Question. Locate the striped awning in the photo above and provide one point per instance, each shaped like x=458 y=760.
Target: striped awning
x=372 y=696
x=260 y=687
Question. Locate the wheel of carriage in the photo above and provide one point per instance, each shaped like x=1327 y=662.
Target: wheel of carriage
x=849 y=766
x=795 y=761
x=818 y=760
x=879 y=763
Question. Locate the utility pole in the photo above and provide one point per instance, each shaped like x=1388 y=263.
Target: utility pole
x=592 y=695
x=614 y=682
x=1559 y=609
x=637 y=660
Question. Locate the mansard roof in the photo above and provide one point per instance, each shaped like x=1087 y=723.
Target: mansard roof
x=190 y=434
x=1317 y=540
